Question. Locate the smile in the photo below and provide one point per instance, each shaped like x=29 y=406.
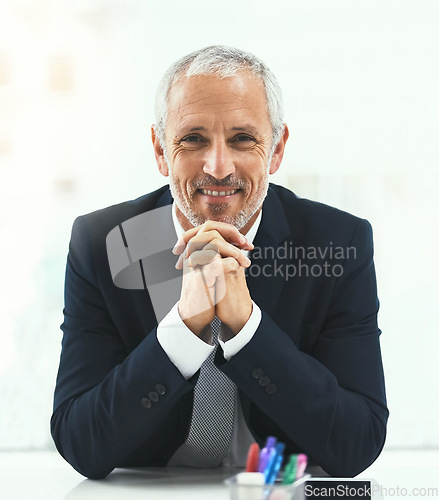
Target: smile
x=218 y=193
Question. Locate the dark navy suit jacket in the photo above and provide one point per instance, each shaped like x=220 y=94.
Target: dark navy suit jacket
x=311 y=375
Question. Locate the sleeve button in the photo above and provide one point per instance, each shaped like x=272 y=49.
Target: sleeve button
x=257 y=372
x=161 y=389
x=146 y=403
x=153 y=396
x=271 y=388
x=264 y=381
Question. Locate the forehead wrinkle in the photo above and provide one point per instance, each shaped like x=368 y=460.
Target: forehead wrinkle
x=195 y=98
x=209 y=113
x=214 y=116
x=209 y=107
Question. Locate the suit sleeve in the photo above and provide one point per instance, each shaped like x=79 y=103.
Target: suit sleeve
x=329 y=402
x=103 y=408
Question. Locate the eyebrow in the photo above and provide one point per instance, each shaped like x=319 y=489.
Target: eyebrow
x=246 y=128
x=196 y=129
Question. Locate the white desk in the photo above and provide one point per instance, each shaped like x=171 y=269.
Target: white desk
x=46 y=476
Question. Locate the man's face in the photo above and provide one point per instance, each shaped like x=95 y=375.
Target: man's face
x=218 y=141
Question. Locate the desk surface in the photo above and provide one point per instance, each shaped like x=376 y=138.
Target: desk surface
x=46 y=476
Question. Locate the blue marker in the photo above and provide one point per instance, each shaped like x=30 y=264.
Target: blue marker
x=273 y=467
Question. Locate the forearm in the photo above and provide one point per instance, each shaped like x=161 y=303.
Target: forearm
x=98 y=429
x=342 y=429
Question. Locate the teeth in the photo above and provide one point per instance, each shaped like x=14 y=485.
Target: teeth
x=218 y=193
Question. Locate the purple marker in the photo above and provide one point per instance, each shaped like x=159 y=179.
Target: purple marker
x=267 y=453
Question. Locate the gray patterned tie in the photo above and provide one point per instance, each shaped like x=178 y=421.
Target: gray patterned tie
x=212 y=415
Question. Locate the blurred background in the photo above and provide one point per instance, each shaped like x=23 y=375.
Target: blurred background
x=77 y=85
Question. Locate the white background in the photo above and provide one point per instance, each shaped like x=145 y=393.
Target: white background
x=77 y=84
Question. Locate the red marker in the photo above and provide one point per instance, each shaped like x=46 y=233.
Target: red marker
x=252 y=458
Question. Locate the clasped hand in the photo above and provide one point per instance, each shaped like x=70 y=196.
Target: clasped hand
x=213 y=276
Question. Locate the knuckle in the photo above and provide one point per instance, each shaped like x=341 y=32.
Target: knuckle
x=213 y=246
x=237 y=253
x=217 y=241
x=192 y=246
x=231 y=264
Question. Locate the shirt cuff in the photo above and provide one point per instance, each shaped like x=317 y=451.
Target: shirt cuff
x=243 y=337
x=182 y=346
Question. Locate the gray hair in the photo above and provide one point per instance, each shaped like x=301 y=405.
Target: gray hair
x=223 y=62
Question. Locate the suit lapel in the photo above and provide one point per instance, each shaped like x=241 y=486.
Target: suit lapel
x=265 y=284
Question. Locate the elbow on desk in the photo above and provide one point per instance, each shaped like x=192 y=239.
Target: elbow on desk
x=88 y=469
x=91 y=471
x=78 y=455
x=360 y=454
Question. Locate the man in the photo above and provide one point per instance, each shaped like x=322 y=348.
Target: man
x=142 y=379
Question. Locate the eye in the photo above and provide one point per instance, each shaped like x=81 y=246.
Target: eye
x=191 y=142
x=191 y=139
x=243 y=139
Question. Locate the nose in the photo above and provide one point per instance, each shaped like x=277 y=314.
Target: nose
x=219 y=161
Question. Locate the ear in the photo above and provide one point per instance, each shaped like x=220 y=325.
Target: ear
x=158 y=153
x=279 y=151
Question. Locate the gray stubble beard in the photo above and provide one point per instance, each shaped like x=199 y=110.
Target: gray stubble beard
x=238 y=220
